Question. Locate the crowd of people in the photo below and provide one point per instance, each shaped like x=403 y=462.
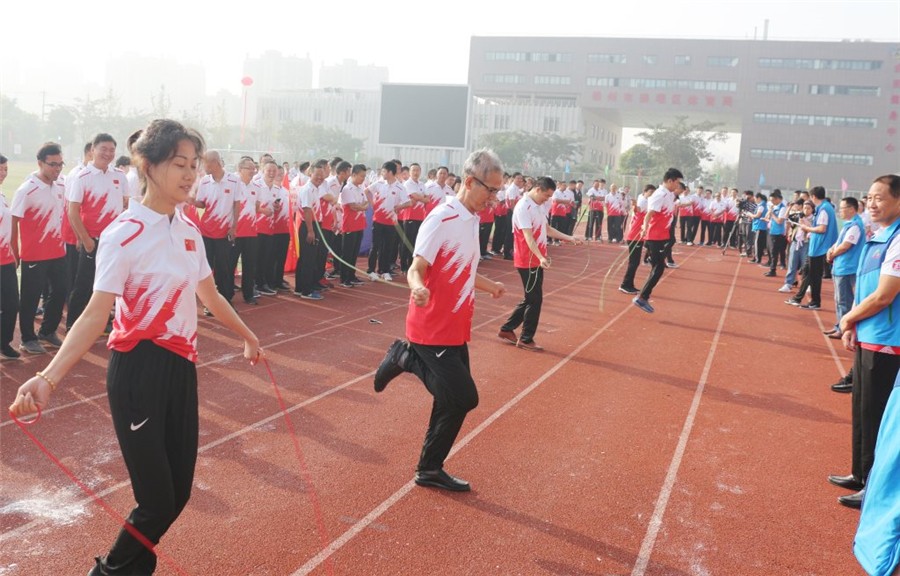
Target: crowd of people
x=96 y=246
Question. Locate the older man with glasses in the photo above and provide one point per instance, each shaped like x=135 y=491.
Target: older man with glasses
x=443 y=280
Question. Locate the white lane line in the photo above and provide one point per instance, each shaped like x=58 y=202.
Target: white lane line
x=665 y=493
x=837 y=359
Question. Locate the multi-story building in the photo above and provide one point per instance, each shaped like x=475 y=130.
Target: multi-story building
x=827 y=111
x=349 y=75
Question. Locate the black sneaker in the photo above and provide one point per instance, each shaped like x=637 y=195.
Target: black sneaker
x=395 y=363
x=357 y=282
x=50 y=340
x=8 y=353
x=810 y=306
x=629 y=290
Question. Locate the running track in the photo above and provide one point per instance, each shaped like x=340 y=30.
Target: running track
x=695 y=441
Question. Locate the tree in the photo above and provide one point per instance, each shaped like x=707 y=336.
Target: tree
x=720 y=174
x=19 y=130
x=681 y=145
x=309 y=141
x=531 y=152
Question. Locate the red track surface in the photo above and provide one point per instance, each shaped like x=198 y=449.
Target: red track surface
x=694 y=441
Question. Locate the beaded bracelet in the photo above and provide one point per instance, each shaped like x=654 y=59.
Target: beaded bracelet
x=47 y=380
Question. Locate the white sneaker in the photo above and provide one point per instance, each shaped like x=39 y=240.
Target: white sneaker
x=386 y=277
x=671 y=265
x=373 y=277
x=785 y=288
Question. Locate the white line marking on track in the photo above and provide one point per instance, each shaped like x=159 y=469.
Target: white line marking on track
x=837 y=360
x=662 y=501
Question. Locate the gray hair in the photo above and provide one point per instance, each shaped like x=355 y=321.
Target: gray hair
x=483 y=162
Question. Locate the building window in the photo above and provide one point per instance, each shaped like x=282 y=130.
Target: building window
x=503 y=79
x=553 y=80
x=317 y=115
x=812 y=157
x=781 y=88
x=722 y=62
x=682 y=60
x=607 y=59
x=833 y=90
x=819 y=64
x=649 y=59
x=501 y=122
x=481 y=121
x=551 y=124
x=806 y=120
x=661 y=84
x=348 y=116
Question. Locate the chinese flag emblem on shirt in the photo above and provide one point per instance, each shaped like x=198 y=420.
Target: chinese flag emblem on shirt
x=189 y=245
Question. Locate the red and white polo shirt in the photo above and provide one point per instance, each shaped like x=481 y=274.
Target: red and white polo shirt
x=417 y=210
x=6 y=254
x=448 y=241
x=68 y=233
x=281 y=219
x=662 y=204
x=153 y=267
x=326 y=213
x=353 y=221
x=219 y=197
x=637 y=220
x=436 y=195
x=101 y=195
x=385 y=198
x=267 y=195
x=528 y=214
x=39 y=207
x=247 y=196
x=559 y=209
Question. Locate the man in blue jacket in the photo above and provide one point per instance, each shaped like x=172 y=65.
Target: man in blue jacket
x=872 y=331
x=844 y=258
x=822 y=235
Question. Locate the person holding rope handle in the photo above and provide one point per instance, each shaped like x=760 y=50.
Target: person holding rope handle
x=152 y=265
x=530 y=259
x=442 y=280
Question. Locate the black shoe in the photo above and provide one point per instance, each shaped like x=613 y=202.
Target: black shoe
x=842 y=387
x=853 y=500
x=629 y=290
x=395 y=363
x=440 y=479
x=265 y=290
x=252 y=301
x=849 y=482
x=769 y=274
x=8 y=353
x=810 y=306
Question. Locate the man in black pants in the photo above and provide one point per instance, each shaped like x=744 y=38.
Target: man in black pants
x=443 y=280
x=531 y=232
x=37 y=209
x=656 y=231
x=306 y=282
x=822 y=235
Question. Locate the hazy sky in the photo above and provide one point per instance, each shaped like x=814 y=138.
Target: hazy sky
x=418 y=41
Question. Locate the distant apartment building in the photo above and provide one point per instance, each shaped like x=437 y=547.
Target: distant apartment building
x=349 y=75
x=827 y=111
